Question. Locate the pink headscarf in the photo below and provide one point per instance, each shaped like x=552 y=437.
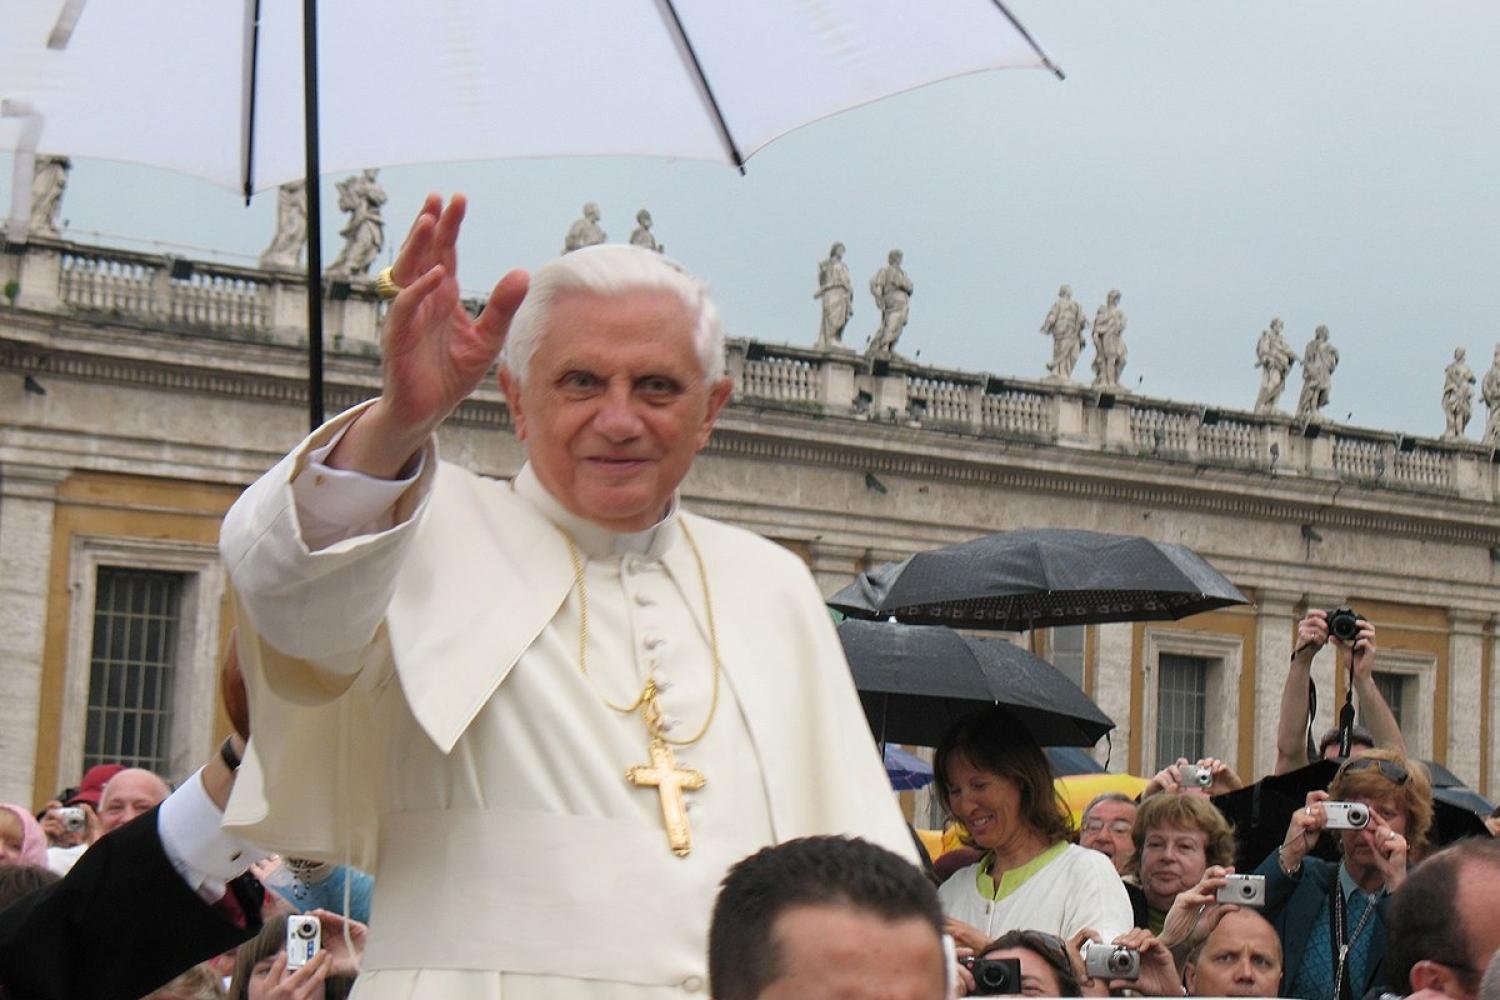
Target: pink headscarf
x=33 y=840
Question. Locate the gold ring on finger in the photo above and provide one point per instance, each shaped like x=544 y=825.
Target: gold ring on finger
x=385 y=285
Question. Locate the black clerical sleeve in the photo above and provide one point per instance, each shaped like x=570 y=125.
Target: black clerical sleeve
x=120 y=924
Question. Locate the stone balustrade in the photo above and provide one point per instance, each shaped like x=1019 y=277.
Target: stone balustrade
x=98 y=284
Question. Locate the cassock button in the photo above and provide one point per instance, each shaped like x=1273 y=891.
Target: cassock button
x=653 y=641
x=693 y=984
x=643 y=601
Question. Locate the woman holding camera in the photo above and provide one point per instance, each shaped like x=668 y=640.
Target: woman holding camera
x=992 y=777
x=1332 y=917
x=260 y=964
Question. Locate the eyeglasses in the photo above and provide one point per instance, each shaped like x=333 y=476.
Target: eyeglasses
x=1119 y=826
x=1388 y=768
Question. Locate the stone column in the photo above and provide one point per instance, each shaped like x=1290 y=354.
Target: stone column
x=287 y=308
x=1112 y=689
x=1276 y=616
x=890 y=395
x=38 y=271
x=1465 y=662
x=834 y=565
x=836 y=382
x=1067 y=418
x=1492 y=786
x=27 y=507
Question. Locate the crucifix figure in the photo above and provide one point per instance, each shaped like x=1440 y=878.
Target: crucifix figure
x=670 y=781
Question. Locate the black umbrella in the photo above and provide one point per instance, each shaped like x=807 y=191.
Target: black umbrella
x=1067 y=761
x=1262 y=812
x=916 y=681
x=1036 y=577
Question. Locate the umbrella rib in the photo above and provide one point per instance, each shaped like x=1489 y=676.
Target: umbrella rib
x=1021 y=30
x=247 y=165
x=707 y=92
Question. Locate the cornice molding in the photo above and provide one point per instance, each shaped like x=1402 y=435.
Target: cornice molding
x=749 y=432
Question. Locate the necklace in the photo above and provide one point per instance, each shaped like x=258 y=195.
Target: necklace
x=662 y=773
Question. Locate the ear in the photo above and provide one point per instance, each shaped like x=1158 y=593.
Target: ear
x=718 y=397
x=1426 y=975
x=512 y=390
x=1190 y=978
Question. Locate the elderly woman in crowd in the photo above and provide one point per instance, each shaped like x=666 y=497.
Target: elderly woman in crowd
x=22 y=841
x=993 y=778
x=1177 y=838
x=1322 y=909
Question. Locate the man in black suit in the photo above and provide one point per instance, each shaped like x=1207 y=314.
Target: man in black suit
x=149 y=900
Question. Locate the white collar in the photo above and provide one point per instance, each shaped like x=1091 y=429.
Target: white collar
x=594 y=540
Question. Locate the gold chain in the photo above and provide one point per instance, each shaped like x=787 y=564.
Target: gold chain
x=646 y=701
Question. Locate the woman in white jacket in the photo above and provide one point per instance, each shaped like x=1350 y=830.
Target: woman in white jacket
x=992 y=777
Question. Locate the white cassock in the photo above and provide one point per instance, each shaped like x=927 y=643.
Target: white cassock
x=418 y=709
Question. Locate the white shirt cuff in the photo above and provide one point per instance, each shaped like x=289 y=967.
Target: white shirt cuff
x=204 y=854
x=335 y=504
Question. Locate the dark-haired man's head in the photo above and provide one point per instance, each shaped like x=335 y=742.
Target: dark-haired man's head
x=1443 y=930
x=826 y=916
x=1360 y=741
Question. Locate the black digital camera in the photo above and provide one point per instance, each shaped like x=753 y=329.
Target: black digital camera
x=995 y=976
x=1343 y=624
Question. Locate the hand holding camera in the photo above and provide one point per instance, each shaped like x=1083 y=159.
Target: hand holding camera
x=993 y=976
x=1136 y=960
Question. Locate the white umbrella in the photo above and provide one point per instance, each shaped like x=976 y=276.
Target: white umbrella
x=164 y=82
x=216 y=89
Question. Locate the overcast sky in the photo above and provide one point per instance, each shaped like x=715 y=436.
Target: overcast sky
x=1331 y=162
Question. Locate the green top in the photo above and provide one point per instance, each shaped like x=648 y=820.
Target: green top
x=1012 y=880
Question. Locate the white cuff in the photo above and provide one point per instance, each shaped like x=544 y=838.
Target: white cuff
x=335 y=504
x=204 y=854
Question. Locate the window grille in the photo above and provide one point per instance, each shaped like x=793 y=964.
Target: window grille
x=131 y=668
x=1181 y=697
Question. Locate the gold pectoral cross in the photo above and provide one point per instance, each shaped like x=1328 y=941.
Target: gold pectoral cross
x=670 y=782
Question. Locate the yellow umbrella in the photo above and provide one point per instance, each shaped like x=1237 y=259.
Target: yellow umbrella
x=1078 y=790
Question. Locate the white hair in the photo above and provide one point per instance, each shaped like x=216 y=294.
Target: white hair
x=612 y=269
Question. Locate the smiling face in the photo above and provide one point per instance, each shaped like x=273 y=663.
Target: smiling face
x=1172 y=860
x=129 y=794
x=986 y=803
x=615 y=405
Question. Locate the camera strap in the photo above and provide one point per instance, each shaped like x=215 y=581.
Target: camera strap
x=1342 y=939
x=1346 y=714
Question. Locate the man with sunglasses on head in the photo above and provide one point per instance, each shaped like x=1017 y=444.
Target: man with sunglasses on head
x=1333 y=918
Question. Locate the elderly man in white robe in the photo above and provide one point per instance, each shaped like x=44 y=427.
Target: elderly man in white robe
x=548 y=713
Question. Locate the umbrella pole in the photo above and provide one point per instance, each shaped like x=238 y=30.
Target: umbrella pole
x=314 y=215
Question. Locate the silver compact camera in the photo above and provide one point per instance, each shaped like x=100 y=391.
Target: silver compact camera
x=304 y=936
x=1346 y=815
x=1191 y=775
x=73 y=818
x=1109 y=961
x=1244 y=890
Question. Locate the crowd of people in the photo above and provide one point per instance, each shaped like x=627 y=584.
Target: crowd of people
x=592 y=745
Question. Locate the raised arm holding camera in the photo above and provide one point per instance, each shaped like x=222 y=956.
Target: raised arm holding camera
x=1348 y=631
x=1332 y=918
